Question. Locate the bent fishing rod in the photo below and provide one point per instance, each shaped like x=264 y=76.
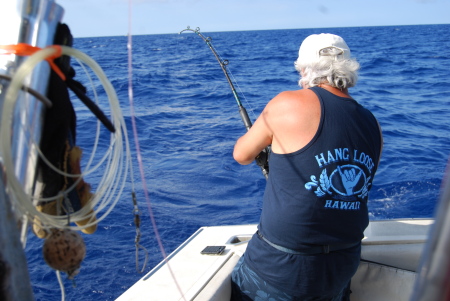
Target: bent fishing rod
x=262 y=158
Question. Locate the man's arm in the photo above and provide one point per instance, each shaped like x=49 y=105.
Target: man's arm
x=289 y=122
x=254 y=141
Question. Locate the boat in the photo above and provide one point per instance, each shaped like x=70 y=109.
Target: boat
x=402 y=259
x=391 y=252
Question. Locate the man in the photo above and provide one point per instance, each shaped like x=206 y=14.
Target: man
x=325 y=152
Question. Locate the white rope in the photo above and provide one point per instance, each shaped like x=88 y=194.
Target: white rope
x=114 y=176
x=61 y=285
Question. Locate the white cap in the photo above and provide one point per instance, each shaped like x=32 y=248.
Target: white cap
x=324 y=44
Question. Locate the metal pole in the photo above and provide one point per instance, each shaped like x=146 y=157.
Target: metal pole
x=14 y=277
x=33 y=22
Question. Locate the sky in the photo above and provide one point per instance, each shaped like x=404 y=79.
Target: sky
x=96 y=18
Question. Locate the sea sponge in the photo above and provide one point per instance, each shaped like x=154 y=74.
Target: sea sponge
x=64 y=250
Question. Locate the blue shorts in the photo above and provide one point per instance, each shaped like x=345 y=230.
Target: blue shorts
x=246 y=285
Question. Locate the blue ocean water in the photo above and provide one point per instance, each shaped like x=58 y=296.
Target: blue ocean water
x=187 y=122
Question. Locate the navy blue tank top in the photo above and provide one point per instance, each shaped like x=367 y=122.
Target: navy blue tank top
x=318 y=194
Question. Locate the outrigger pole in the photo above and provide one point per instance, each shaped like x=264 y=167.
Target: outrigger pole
x=262 y=158
x=32 y=22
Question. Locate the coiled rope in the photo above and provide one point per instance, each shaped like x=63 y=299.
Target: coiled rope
x=115 y=174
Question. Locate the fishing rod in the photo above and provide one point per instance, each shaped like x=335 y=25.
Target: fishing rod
x=262 y=159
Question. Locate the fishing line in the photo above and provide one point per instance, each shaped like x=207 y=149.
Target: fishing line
x=262 y=158
x=233 y=79
x=113 y=180
x=138 y=151
x=91 y=158
x=238 y=88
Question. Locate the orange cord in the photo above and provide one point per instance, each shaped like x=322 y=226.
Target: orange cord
x=23 y=49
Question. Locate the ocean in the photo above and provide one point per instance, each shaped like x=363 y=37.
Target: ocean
x=187 y=122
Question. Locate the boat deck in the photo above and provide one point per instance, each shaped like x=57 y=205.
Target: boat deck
x=190 y=271
x=394 y=246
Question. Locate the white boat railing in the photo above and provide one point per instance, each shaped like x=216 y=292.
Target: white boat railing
x=433 y=281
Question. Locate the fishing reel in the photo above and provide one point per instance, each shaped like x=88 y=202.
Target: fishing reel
x=262 y=160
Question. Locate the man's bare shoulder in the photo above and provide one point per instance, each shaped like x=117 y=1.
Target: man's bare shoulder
x=290 y=99
x=293 y=118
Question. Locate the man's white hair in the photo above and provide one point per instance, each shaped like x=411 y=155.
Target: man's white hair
x=339 y=73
